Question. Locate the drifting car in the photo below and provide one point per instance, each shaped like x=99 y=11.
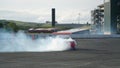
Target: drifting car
x=69 y=41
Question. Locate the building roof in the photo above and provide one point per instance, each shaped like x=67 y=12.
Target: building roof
x=71 y=31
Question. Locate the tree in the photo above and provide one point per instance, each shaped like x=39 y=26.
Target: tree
x=48 y=22
x=12 y=26
x=1 y=25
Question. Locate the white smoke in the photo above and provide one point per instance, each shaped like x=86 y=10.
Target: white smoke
x=20 y=42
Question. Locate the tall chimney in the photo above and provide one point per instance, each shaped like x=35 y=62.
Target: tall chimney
x=53 y=17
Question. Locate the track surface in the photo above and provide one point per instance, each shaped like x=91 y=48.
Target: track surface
x=90 y=53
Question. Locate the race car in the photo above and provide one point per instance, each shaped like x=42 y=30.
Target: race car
x=69 y=41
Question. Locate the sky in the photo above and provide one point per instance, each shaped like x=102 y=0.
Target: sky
x=67 y=11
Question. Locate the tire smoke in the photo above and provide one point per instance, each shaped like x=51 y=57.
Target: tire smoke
x=20 y=42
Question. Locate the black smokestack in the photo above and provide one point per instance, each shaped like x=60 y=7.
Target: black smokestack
x=53 y=17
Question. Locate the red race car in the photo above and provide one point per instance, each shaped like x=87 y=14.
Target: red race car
x=69 y=41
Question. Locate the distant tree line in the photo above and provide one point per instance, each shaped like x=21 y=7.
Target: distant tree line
x=9 y=26
x=15 y=26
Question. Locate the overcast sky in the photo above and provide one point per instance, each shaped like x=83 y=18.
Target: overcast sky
x=67 y=11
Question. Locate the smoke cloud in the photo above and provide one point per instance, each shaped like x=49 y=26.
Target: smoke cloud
x=20 y=42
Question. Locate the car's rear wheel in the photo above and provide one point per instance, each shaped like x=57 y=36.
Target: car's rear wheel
x=72 y=44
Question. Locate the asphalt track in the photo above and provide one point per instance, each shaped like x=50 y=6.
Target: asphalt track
x=90 y=53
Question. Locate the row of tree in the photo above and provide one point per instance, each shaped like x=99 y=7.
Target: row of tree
x=9 y=26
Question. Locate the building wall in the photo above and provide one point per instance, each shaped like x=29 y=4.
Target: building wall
x=107 y=17
x=115 y=13
x=112 y=12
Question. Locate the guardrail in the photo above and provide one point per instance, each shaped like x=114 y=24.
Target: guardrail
x=94 y=36
x=77 y=36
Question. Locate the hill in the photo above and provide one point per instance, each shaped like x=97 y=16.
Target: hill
x=20 y=25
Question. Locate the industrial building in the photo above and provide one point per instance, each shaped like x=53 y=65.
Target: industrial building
x=106 y=18
x=112 y=16
x=97 y=19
